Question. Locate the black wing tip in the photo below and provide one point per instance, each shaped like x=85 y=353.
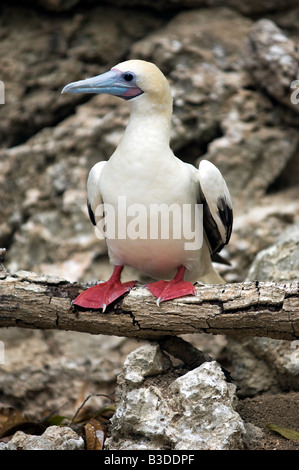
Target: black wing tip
x=91 y=214
x=226 y=215
x=219 y=259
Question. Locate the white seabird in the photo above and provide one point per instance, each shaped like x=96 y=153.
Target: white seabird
x=144 y=174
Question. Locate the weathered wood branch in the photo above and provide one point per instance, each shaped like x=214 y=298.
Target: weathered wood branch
x=270 y=309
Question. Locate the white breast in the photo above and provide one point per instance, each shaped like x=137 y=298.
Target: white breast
x=147 y=188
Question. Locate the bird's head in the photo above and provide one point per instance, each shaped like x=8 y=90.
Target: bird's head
x=137 y=81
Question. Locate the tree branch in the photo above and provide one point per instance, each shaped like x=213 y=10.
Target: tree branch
x=270 y=309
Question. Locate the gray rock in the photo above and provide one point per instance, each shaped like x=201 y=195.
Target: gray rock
x=144 y=362
x=253 y=435
x=34 y=72
x=258 y=227
x=194 y=411
x=272 y=59
x=44 y=372
x=265 y=364
x=279 y=262
x=206 y=405
x=54 y=438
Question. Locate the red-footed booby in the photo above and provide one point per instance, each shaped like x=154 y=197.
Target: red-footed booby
x=144 y=174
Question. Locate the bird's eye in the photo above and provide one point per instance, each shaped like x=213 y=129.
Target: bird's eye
x=128 y=76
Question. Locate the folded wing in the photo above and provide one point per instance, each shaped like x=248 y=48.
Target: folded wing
x=217 y=207
x=94 y=198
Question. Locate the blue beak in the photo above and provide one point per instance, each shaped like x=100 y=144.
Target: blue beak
x=110 y=83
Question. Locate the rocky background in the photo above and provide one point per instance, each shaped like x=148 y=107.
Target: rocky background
x=232 y=67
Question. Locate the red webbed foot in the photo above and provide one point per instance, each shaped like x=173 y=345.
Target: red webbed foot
x=103 y=294
x=167 y=290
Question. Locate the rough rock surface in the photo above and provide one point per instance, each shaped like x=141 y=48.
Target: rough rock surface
x=46 y=371
x=144 y=362
x=264 y=364
x=273 y=60
x=54 y=438
x=258 y=228
x=194 y=411
x=280 y=261
x=38 y=56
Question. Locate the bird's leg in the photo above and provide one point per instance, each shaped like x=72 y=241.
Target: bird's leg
x=103 y=294
x=167 y=290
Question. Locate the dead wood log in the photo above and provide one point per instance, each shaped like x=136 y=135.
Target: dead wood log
x=269 y=309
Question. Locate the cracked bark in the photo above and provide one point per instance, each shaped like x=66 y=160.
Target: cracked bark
x=268 y=309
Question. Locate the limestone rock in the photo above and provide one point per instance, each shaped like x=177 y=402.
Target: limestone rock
x=273 y=60
x=203 y=396
x=57 y=368
x=257 y=227
x=193 y=411
x=144 y=362
x=35 y=71
x=251 y=155
x=262 y=365
x=265 y=364
x=196 y=36
x=54 y=438
x=280 y=261
x=253 y=435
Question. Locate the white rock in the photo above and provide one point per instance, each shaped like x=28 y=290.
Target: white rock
x=143 y=362
x=205 y=402
x=54 y=438
x=195 y=412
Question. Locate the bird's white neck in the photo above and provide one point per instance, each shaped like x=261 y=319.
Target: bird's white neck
x=148 y=130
